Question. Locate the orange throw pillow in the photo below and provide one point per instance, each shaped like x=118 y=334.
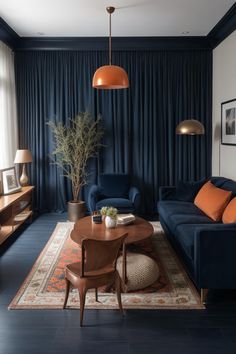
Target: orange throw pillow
x=212 y=200
x=229 y=215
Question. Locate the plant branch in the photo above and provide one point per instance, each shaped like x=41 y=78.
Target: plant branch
x=75 y=144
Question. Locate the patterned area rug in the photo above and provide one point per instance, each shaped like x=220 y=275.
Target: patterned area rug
x=44 y=286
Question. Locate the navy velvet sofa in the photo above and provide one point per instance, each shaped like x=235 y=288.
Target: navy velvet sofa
x=207 y=248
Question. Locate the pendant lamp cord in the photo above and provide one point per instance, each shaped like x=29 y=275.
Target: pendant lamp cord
x=109 y=38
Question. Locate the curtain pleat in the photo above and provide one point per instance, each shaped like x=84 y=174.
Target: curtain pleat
x=165 y=88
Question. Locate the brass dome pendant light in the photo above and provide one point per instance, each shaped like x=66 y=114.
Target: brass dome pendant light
x=190 y=127
x=110 y=76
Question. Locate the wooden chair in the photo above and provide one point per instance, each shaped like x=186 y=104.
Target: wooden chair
x=97 y=268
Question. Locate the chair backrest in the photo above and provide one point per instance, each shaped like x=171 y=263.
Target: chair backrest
x=97 y=254
x=114 y=184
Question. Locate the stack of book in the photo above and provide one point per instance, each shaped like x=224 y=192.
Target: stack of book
x=125 y=219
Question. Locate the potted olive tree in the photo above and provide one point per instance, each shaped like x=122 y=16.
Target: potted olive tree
x=75 y=144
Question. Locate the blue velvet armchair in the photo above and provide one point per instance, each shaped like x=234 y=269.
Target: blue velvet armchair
x=114 y=190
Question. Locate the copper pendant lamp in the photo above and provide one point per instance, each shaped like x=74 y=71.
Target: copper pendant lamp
x=190 y=127
x=110 y=76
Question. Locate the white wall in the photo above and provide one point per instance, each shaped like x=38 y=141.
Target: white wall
x=224 y=89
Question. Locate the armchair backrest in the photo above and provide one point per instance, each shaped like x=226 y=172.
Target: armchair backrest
x=114 y=184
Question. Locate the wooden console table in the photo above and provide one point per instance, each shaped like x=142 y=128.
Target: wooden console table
x=15 y=209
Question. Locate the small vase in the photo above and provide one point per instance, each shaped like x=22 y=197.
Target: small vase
x=110 y=222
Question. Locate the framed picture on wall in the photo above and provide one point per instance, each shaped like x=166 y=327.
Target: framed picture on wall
x=9 y=180
x=228 y=122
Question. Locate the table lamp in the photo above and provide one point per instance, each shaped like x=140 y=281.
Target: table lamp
x=23 y=156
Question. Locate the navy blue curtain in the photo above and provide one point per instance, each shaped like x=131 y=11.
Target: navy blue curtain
x=166 y=87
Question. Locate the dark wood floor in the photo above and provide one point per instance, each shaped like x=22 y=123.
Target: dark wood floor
x=56 y=331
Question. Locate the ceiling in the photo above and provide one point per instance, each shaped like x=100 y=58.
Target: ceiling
x=34 y=18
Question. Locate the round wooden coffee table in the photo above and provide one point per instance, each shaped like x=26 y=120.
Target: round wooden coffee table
x=139 y=230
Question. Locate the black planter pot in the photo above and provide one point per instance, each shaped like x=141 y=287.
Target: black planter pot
x=76 y=210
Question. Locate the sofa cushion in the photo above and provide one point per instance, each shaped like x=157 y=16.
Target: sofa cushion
x=187 y=191
x=170 y=207
x=212 y=200
x=229 y=215
x=225 y=183
x=218 y=181
x=179 y=219
x=230 y=185
x=119 y=203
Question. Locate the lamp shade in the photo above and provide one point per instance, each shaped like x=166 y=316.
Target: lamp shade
x=23 y=156
x=110 y=77
x=190 y=127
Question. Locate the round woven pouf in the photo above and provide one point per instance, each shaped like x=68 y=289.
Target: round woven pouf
x=141 y=271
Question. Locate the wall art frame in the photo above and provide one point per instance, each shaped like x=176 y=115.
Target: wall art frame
x=9 y=181
x=228 y=122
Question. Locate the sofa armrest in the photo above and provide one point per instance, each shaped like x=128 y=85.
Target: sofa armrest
x=135 y=197
x=214 y=256
x=167 y=193
x=93 y=194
